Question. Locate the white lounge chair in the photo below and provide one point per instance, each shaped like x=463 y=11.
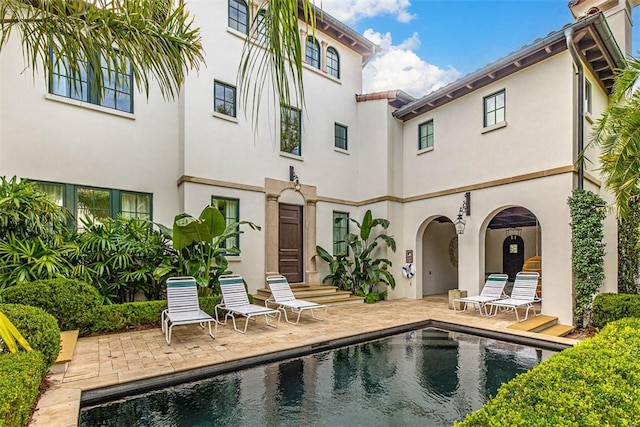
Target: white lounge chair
x=282 y=296
x=183 y=307
x=493 y=290
x=235 y=301
x=523 y=294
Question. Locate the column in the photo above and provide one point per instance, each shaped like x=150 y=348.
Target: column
x=303 y=44
x=271 y=235
x=311 y=275
x=323 y=56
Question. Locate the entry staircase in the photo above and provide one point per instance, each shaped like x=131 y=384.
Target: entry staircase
x=543 y=324
x=327 y=295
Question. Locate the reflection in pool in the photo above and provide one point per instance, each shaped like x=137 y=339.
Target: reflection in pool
x=427 y=377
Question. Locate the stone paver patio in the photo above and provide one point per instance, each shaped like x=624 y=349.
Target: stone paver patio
x=117 y=359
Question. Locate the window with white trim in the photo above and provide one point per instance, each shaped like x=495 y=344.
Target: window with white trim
x=238 y=16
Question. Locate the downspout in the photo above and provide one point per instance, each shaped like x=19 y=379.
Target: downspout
x=568 y=33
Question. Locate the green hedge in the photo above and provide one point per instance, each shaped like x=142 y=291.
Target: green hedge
x=20 y=377
x=72 y=302
x=595 y=383
x=120 y=317
x=610 y=307
x=39 y=328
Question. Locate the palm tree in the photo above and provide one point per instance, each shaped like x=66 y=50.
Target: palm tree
x=617 y=132
x=157 y=38
x=273 y=60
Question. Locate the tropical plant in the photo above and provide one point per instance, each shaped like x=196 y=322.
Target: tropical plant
x=616 y=132
x=33 y=234
x=10 y=336
x=360 y=271
x=156 y=36
x=201 y=247
x=587 y=214
x=118 y=257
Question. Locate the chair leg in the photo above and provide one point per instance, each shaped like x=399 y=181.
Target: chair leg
x=168 y=334
x=266 y=318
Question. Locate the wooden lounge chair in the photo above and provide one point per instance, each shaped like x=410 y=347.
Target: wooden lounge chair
x=282 y=296
x=183 y=307
x=235 y=301
x=493 y=290
x=523 y=294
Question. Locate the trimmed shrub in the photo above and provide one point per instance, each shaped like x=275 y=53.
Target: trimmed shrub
x=39 y=328
x=119 y=317
x=594 y=383
x=20 y=377
x=610 y=307
x=72 y=302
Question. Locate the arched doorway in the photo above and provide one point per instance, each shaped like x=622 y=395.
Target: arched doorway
x=513 y=237
x=439 y=266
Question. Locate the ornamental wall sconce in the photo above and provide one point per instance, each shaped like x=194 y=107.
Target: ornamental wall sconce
x=460 y=223
x=293 y=177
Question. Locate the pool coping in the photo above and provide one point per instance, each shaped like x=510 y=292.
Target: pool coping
x=110 y=393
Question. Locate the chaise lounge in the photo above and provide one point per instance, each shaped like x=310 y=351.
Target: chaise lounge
x=523 y=294
x=282 y=296
x=235 y=301
x=183 y=307
x=493 y=290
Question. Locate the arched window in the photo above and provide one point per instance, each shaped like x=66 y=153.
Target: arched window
x=312 y=56
x=238 y=16
x=333 y=63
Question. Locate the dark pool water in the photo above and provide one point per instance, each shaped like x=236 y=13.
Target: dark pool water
x=427 y=377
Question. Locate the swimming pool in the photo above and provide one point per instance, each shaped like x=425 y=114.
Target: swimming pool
x=428 y=377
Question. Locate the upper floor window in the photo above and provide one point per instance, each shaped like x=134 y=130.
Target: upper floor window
x=238 y=16
x=333 y=63
x=97 y=204
x=494 y=108
x=261 y=30
x=290 y=134
x=425 y=135
x=588 y=97
x=230 y=210
x=117 y=84
x=340 y=231
x=312 y=52
x=340 y=140
x=224 y=98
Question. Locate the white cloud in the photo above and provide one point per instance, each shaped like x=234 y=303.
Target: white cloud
x=398 y=67
x=350 y=11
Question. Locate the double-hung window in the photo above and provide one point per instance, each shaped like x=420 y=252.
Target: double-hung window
x=425 y=135
x=238 y=16
x=224 y=98
x=117 y=84
x=494 y=108
x=340 y=231
x=340 y=137
x=290 y=135
x=230 y=210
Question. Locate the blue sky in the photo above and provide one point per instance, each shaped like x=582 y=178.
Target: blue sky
x=429 y=43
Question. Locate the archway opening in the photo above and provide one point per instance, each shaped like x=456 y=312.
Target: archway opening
x=439 y=257
x=513 y=243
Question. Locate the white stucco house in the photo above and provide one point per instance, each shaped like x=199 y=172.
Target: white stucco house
x=503 y=140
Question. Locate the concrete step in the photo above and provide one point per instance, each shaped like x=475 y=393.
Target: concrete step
x=535 y=323
x=329 y=298
x=558 y=330
x=68 y=340
x=303 y=292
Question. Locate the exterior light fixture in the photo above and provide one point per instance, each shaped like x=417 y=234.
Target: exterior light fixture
x=460 y=223
x=293 y=177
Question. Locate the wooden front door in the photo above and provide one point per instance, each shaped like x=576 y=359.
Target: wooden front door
x=512 y=256
x=290 y=243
